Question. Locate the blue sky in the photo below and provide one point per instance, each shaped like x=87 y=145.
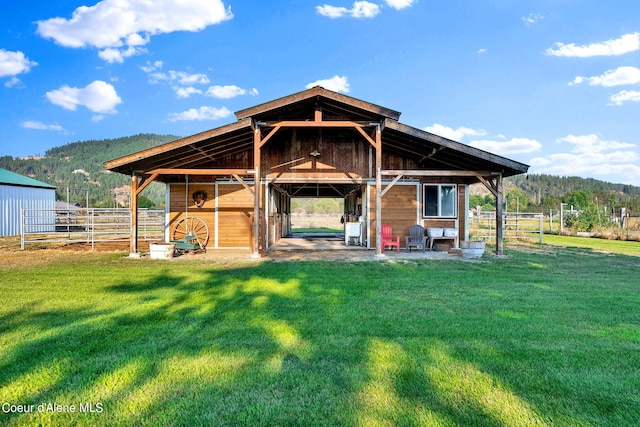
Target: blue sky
x=551 y=83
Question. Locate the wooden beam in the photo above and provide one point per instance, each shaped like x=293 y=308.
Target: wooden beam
x=499 y=222
x=490 y=185
x=146 y=183
x=244 y=184
x=133 y=208
x=320 y=124
x=388 y=187
x=366 y=136
x=268 y=137
x=416 y=172
x=378 y=146
x=257 y=143
x=180 y=171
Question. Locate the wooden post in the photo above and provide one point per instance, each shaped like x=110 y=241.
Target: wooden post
x=257 y=136
x=133 y=206
x=378 y=192
x=499 y=222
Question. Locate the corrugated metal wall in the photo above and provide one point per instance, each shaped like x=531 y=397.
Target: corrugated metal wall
x=14 y=198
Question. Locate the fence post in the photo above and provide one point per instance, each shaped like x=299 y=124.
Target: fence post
x=93 y=230
x=541 y=227
x=22 y=229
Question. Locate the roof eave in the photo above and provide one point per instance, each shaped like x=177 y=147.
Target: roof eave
x=122 y=162
x=311 y=93
x=513 y=165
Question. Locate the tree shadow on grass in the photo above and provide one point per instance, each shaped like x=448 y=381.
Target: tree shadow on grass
x=267 y=344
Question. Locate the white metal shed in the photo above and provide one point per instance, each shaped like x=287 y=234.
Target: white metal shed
x=19 y=192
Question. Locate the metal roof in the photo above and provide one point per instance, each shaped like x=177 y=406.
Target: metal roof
x=15 y=179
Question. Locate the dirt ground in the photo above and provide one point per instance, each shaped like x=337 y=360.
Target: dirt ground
x=12 y=257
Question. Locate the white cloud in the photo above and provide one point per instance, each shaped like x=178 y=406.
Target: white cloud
x=183 y=83
x=202 y=113
x=591 y=155
x=592 y=143
x=512 y=146
x=482 y=50
x=186 y=92
x=150 y=68
x=229 y=91
x=332 y=11
x=98 y=96
x=503 y=147
x=335 y=83
x=453 y=134
x=360 y=9
x=533 y=18
x=121 y=27
x=34 y=124
x=14 y=63
x=625 y=44
x=177 y=77
x=13 y=82
x=111 y=55
x=400 y=4
x=625 y=96
x=620 y=76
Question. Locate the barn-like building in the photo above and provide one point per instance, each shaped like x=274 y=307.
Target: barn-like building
x=19 y=193
x=315 y=143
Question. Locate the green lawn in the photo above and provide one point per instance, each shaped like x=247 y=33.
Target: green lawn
x=614 y=246
x=544 y=336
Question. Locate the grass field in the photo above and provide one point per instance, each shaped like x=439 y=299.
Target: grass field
x=602 y=245
x=547 y=335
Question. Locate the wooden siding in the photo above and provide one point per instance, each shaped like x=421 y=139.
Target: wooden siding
x=399 y=210
x=178 y=200
x=341 y=152
x=235 y=212
x=233 y=209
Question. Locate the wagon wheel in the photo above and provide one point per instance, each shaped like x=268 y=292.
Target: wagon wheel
x=191 y=227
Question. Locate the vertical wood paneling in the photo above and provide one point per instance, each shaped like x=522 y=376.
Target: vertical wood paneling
x=235 y=211
x=178 y=200
x=399 y=206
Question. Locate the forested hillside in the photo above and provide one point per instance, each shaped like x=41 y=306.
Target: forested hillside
x=79 y=166
x=539 y=193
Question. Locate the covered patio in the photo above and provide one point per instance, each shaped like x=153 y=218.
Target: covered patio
x=239 y=179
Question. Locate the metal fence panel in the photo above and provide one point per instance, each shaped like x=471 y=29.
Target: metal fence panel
x=88 y=226
x=515 y=225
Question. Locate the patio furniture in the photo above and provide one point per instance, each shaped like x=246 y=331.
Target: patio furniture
x=388 y=239
x=434 y=234
x=416 y=238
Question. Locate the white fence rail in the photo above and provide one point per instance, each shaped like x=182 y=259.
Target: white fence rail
x=515 y=225
x=88 y=226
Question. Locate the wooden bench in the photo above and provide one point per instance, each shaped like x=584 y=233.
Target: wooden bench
x=434 y=234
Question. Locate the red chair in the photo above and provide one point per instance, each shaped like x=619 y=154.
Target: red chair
x=388 y=239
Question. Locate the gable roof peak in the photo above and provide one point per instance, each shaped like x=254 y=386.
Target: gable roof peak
x=317 y=95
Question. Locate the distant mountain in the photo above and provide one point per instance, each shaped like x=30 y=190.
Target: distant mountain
x=547 y=191
x=79 y=166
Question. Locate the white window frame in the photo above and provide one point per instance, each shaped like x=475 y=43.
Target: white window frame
x=439 y=207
